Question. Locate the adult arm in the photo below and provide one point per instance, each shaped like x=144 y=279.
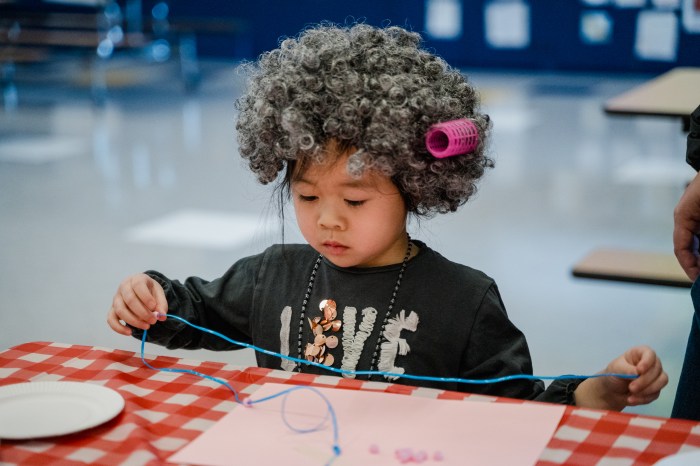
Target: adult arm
x=686 y=225
x=686 y=216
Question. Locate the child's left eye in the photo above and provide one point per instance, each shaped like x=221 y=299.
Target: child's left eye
x=354 y=203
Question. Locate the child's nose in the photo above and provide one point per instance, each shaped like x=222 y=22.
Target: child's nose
x=330 y=218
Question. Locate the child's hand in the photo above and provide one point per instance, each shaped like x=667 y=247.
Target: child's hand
x=642 y=361
x=135 y=303
x=615 y=392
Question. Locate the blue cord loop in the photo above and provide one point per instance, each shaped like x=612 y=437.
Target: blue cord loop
x=330 y=411
x=248 y=402
x=393 y=374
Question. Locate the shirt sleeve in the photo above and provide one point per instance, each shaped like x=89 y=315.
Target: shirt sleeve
x=497 y=348
x=693 y=146
x=223 y=305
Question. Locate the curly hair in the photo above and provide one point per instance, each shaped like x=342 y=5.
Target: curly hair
x=375 y=90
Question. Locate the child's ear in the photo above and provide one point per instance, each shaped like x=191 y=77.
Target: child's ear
x=407 y=200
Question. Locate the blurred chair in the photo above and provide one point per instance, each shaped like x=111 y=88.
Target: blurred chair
x=36 y=31
x=33 y=31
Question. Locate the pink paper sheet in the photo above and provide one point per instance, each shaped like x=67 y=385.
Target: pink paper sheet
x=461 y=432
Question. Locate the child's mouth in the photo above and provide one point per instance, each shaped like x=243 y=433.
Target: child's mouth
x=333 y=247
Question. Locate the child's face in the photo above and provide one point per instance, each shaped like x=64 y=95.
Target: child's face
x=358 y=222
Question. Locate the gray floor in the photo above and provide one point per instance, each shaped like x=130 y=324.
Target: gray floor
x=83 y=189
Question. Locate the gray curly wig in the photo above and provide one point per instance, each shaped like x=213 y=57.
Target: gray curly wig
x=374 y=90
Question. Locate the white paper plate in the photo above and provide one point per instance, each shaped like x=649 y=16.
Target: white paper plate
x=44 y=409
x=687 y=458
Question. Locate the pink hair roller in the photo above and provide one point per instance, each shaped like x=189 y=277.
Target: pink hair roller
x=456 y=137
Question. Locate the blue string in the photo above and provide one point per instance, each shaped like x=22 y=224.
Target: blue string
x=331 y=411
x=248 y=402
x=186 y=371
x=504 y=378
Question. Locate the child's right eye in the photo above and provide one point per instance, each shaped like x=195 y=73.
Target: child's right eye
x=307 y=198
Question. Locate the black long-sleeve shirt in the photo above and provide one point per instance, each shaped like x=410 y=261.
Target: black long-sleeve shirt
x=448 y=319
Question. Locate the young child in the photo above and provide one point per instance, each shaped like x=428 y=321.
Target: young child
x=339 y=117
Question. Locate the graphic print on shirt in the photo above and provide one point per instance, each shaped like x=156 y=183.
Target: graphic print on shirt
x=393 y=344
x=286 y=319
x=354 y=341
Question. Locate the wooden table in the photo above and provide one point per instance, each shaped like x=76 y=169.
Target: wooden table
x=675 y=93
x=165 y=411
x=632 y=266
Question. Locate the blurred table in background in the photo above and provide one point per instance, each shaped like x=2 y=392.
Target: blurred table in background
x=632 y=266
x=674 y=94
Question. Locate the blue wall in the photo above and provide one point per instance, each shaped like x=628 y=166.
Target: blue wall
x=555 y=39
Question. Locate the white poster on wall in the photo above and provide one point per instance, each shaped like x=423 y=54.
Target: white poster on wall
x=691 y=16
x=507 y=24
x=596 y=27
x=667 y=4
x=657 y=36
x=443 y=19
x=630 y=3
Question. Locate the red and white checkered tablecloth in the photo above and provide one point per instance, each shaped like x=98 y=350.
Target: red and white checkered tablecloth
x=164 y=411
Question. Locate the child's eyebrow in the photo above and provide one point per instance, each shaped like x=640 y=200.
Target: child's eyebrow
x=357 y=184
x=364 y=184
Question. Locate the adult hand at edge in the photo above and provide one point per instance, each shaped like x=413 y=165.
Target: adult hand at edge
x=686 y=224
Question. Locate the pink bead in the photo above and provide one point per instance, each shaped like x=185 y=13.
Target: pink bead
x=404 y=455
x=374 y=449
x=437 y=456
x=420 y=456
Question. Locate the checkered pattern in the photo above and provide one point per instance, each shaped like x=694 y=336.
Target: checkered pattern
x=164 y=411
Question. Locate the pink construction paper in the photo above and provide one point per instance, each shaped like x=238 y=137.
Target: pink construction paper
x=372 y=427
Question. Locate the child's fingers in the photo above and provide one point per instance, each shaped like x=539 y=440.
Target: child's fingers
x=125 y=313
x=641 y=357
x=650 y=393
x=115 y=324
x=134 y=304
x=647 y=358
x=135 y=292
x=648 y=372
x=132 y=311
x=636 y=400
x=161 y=300
x=653 y=385
x=144 y=287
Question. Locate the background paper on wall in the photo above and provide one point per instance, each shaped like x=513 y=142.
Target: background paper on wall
x=443 y=19
x=630 y=3
x=507 y=24
x=667 y=4
x=691 y=16
x=657 y=36
x=461 y=432
x=596 y=27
